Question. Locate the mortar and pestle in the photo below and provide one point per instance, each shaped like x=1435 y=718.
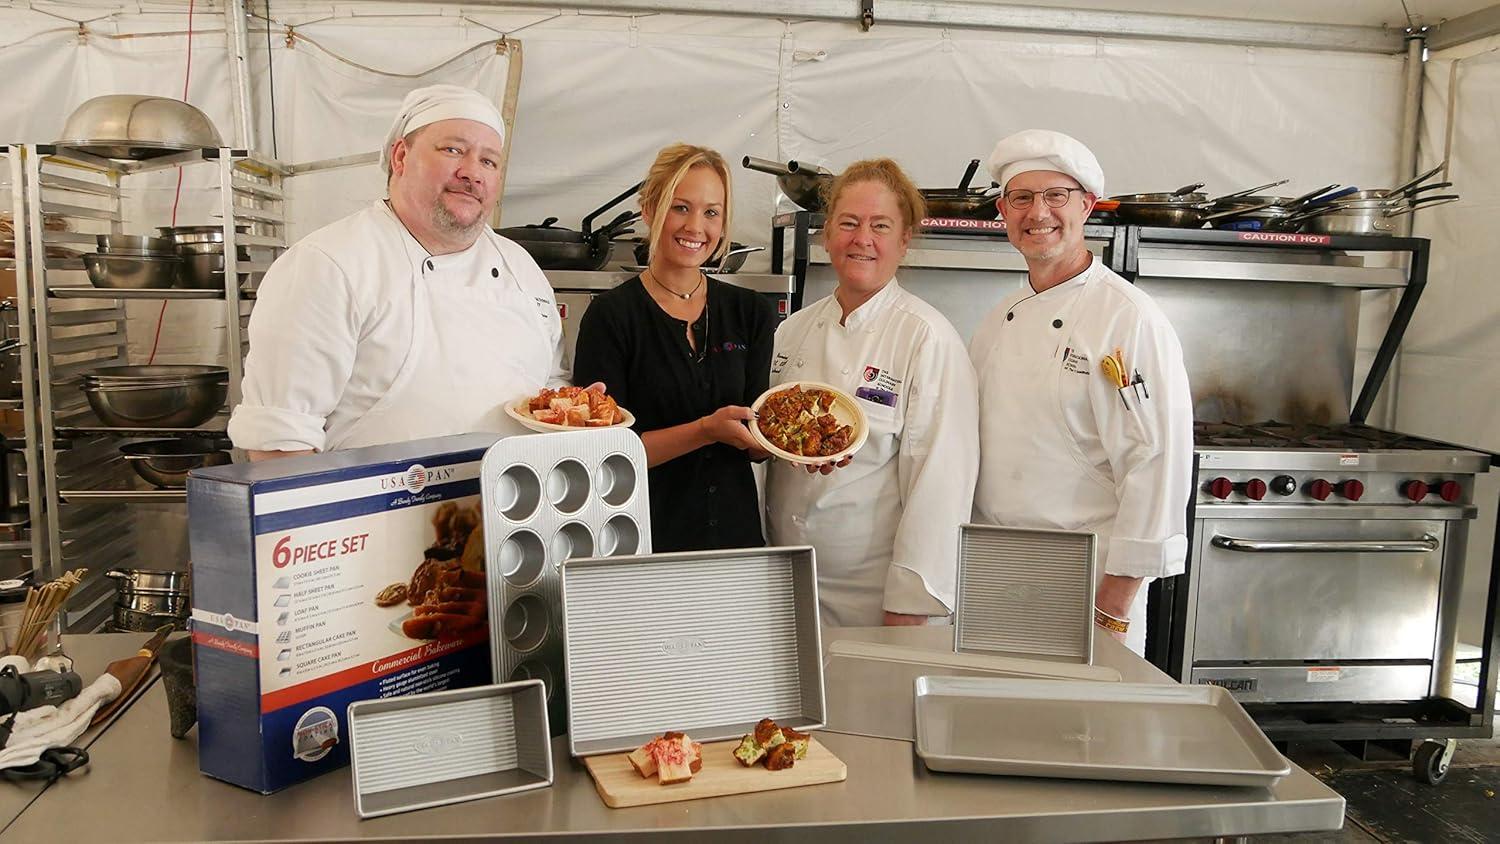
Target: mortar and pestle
x=176 y=659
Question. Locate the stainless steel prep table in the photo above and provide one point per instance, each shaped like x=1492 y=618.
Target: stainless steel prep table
x=144 y=785
x=91 y=655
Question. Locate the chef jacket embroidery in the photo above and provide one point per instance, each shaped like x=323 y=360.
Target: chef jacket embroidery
x=778 y=363
x=880 y=386
x=1075 y=362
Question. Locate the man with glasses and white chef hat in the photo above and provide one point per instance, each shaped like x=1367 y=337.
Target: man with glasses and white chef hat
x=1085 y=420
x=410 y=318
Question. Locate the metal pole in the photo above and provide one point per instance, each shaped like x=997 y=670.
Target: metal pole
x=1411 y=112
x=238 y=37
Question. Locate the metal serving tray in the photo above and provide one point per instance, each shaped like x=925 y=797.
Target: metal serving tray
x=1027 y=592
x=869 y=683
x=706 y=642
x=447 y=747
x=548 y=497
x=1137 y=732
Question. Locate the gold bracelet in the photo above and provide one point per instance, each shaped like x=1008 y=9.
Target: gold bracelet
x=1109 y=622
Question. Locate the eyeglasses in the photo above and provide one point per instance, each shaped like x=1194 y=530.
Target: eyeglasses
x=1054 y=197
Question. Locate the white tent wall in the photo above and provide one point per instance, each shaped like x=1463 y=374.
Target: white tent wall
x=1448 y=380
x=601 y=93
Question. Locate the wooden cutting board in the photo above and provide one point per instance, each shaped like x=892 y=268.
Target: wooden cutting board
x=620 y=786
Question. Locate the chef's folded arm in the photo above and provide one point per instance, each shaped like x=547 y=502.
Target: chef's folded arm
x=938 y=465
x=302 y=348
x=1150 y=448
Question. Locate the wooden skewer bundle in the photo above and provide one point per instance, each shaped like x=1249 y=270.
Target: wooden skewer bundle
x=42 y=605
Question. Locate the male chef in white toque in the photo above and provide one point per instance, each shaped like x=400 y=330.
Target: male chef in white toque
x=410 y=318
x=1067 y=439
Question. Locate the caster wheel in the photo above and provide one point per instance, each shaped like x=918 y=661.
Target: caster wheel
x=1430 y=762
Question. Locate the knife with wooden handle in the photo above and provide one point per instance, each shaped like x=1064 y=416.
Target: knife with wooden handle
x=131 y=672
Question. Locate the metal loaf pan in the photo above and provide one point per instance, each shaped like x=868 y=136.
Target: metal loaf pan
x=706 y=642
x=869 y=683
x=432 y=749
x=548 y=497
x=1135 y=732
x=1026 y=592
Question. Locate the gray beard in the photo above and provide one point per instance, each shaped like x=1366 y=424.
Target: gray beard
x=444 y=219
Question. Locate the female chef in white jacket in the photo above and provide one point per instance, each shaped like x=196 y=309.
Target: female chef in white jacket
x=885 y=526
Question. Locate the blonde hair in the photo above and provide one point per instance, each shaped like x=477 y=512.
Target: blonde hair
x=886 y=172
x=666 y=172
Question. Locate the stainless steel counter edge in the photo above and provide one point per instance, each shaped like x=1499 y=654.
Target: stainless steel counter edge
x=889 y=795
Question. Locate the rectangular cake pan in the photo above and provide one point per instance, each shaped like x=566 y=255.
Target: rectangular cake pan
x=1025 y=592
x=432 y=749
x=869 y=684
x=706 y=642
x=1135 y=732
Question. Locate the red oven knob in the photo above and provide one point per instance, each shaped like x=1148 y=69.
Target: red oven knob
x=1220 y=488
x=1319 y=489
x=1255 y=489
x=1351 y=489
x=1414 y=490
x=1449 y=491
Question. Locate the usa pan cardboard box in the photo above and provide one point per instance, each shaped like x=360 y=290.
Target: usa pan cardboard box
x=303 y=598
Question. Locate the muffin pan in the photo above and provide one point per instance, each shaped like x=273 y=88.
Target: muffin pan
x=1025 y=592
x=706 y=642
x=548 y=498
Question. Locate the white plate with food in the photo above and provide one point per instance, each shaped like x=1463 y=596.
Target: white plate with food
x=569 y=409
x=809 y=422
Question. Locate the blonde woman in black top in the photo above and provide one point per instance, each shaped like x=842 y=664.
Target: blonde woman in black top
x=687 y=355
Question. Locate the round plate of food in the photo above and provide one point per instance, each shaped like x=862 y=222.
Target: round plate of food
x=569 y=409
x=809 y=422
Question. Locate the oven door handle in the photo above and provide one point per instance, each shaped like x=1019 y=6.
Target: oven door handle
x=1427 y=543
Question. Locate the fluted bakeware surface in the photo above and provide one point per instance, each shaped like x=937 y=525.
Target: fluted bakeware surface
x=1025 y=592
x=705 y=642
x=445 y=747
x=549 y=497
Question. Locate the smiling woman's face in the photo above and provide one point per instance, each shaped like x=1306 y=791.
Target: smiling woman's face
x=866 y=237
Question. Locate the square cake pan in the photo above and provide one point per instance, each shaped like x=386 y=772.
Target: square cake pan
x=1134 y=732
x=706 y=642
x=869 y=684
x=1025 y=592
x=432 y=749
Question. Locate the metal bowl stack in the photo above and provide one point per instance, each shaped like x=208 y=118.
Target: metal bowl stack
x=133 y=262
x=160 y=396
x=202 y=251
x=166 y=463
x=137 y=126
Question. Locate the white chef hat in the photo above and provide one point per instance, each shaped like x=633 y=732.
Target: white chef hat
x=1044 y=149
x=426 y=106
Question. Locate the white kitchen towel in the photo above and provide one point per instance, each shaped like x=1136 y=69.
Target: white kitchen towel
x=37 y=729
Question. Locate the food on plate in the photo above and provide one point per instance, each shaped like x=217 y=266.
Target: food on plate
x=574 y=407
x=391 y=595
x=800 y=421
x=774 y=746
x=781 y=757
x=454 y=604
x=671 y=757
x=798 y=741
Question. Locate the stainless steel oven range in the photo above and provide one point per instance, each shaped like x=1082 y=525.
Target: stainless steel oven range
x=1327 y=562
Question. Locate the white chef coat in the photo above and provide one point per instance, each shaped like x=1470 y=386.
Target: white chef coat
x=885 y=527
x=1062 y=447
x=360 y=337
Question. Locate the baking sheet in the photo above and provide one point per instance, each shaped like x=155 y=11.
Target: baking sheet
x=705 y=642
x=1136 y=732
x=869 y=684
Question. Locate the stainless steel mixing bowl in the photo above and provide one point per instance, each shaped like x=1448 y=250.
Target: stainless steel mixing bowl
x=132 y=272
x=136 y=126
x=166 y=463
x=161 y=396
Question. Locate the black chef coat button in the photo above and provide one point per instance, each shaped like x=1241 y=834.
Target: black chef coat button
x=1057 y=323
x=1009 y=316
x=713 y=522
x=494 y=272
x=429 y=265
x=713 y=489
